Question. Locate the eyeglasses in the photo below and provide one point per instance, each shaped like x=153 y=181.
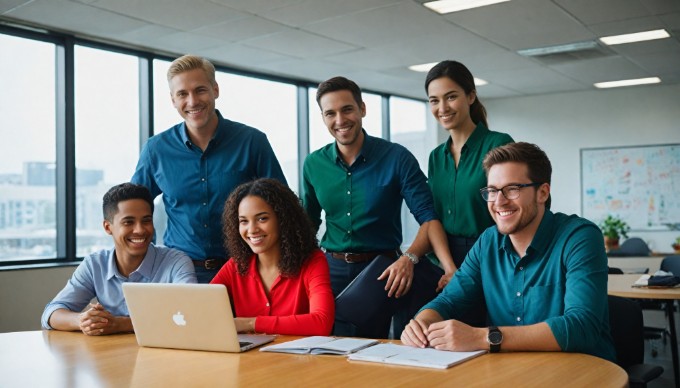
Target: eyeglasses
x=509 y=192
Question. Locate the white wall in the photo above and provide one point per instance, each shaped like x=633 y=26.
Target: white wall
x=564 y=123
x=24 y=294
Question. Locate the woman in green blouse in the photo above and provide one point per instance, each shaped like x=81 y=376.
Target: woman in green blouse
x=455 y=172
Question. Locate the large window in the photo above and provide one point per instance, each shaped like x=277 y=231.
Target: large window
x=27 y=150
x=107 y=136
x=408 y=125
x=79 y=134
x=268 y=106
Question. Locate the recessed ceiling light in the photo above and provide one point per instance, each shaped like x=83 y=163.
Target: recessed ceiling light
x=562 y=48
x=448 y=6
x=425 y=67
x=636 y=37
x=628 y=82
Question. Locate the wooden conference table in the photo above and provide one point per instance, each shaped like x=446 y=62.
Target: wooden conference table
x=66 y=359
x=621 y=285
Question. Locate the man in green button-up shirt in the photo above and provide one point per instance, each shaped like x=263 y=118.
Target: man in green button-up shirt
x=360 y=182
x=543 y=275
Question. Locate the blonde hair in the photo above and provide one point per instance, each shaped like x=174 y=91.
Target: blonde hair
x=191 y=62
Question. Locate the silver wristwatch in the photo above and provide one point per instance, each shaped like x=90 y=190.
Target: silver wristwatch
x=414 y=259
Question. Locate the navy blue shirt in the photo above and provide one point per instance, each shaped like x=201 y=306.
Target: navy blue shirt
x=363 y=201
x=195 y=184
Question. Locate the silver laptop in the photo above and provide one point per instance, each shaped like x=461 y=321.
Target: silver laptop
x=186 y=316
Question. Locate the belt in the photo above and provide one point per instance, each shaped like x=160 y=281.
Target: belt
x=457 y=240
x=350 y=257
x=210 y=264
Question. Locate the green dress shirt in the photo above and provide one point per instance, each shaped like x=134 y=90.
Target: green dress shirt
x=457 y=201
x=562 y=280
x=363 y=201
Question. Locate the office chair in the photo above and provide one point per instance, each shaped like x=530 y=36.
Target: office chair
x=634 y=246
x=626 y=327
x=668 y=264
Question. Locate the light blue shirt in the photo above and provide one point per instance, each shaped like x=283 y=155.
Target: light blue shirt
x=562 y=280
x=98 y=276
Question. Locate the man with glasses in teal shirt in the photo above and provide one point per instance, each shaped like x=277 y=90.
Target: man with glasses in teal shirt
x=543 y=275
x=360 y=182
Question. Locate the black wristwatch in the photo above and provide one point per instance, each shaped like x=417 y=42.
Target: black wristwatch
x=494 y=338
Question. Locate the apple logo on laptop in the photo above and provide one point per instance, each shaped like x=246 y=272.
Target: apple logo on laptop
x=179 y=319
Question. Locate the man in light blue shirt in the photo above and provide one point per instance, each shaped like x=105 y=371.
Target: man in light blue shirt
x=197 y=163
x=128 y=218
x=543 y=275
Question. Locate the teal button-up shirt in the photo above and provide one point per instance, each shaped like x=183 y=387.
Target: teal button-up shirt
x=363 y=201
x=562 y=280
x=457 y=201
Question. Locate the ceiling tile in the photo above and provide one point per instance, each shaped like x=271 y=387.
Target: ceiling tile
x=257 y=6
x=593 y=12
x=8 y=5
x=69 y=16
x=311 y=11
x=179 y=14
x=184 y=42
x=381 y=26
x=241 y=56
x=240 y=29
x=661 y=63
x=534 y=80
x=601 y=70
x=299 y=44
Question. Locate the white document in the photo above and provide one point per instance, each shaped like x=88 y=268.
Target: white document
x=642 y=281
x=407 y=355
x=321 y=345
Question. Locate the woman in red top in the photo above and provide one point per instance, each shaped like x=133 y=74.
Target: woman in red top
x=277 y=278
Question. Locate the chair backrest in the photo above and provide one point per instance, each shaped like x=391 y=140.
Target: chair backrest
x=671 y=264
x=626 y=325
x=634 y=246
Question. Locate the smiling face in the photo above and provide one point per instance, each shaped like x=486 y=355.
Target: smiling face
x=521 y=216
x=193 y=95
x=449 y=104
x=131 y=229
x=343 y=117
x=259 y=227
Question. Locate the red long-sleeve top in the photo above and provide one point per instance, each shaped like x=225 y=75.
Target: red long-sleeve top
x=299 y=305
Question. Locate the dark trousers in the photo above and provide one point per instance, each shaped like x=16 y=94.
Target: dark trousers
x=459 y=247
x=362 y=306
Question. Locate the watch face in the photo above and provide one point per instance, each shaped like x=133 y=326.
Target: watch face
x=495 y=337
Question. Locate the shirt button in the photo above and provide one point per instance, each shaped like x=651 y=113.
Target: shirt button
x=521 y=268
x=267 y=304
x=519 y=319
x=349 y=231
x=348 y=193
x=349 y=173
x=449 y=211
x=349 y=214
x=205 y=225
x=202 y=179
x=519 y=293
x=204 y=203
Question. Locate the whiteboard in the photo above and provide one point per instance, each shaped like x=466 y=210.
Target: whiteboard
x=640 y=184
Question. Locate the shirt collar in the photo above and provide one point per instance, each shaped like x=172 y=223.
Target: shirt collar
x=366 y=147
x=145 y=269
x=544 y=236
x=474 y=141
x=185 y=135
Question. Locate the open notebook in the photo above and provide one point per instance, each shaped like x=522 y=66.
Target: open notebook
x=410 y=356
x=321 y=345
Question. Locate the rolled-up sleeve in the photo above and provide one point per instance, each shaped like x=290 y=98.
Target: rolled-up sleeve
x=77 y=293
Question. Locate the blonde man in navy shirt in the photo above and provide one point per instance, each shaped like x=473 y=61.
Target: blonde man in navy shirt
x=197 y=163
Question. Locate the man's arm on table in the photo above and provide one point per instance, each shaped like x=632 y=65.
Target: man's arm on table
x=94 y=320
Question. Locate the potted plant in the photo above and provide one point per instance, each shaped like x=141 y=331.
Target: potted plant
x=613 y=228
x=676 y=245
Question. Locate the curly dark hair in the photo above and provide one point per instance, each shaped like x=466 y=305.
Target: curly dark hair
x=296 y=233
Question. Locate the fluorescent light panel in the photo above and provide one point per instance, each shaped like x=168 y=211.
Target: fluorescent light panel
x=635 y=37
x=628 y=82
x=448 y=6
x=562 y=48
x=425 y=67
